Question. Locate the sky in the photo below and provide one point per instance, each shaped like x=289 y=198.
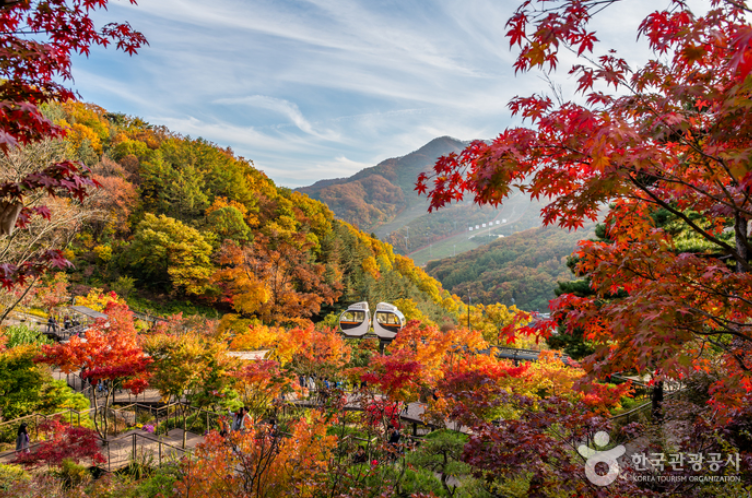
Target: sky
x=319 y=89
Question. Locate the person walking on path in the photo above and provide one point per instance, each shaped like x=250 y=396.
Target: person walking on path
x=237 y=420
x=22 y=441
x=241 y=420
x=247 y=421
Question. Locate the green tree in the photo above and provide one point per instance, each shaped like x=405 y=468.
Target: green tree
x=166 y=252
x=21 y=381
x=185 y=368
x=228 y=223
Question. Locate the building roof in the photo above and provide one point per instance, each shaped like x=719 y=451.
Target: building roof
x=249 y=355
x=87 y=312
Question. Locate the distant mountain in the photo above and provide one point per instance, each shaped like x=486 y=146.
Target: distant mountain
x=382 y=200
x=524 y=266
x=375 y=196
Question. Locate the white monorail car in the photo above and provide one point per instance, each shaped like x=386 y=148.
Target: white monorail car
x=387 y=321
x=356 y=320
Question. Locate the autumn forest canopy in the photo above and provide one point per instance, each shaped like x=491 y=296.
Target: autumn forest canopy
x=170 y=316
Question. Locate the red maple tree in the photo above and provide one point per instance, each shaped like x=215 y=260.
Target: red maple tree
x=37 y=40
x=669 y=139
x=62 y=442
x=110 y=353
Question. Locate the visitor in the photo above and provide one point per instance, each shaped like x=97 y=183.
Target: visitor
x=273 y=428
x=22 y=441
x=242 y=420
x=66 y=322
x=237 y=420
x=394 y=435
x=360 y=456
x=247 y=421
x=51 y=325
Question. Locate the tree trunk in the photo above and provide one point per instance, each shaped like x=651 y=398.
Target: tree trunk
x=184 y=409
x=97 y=422
x=740 y=236
x=13 y=306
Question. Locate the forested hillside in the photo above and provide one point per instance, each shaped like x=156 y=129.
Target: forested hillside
x=184 y=224
x=525 y=266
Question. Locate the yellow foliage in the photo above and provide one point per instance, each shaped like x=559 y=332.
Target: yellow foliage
x=529 y=342
x=409 y=308
x=98 y=300
x=231 y=324
x=370 y=267
x=384 y=262
x=85 y=122
x=450 y=305
x=103 y=252
x=256 y=337
x=86 y=240
x=549 y=376
x=78 y=134
x=222 y=202
x=491 y=319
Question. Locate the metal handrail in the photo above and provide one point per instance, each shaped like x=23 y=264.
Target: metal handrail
x=69 y=411
x=644 y=405
x=11 y=452
x=107 y=442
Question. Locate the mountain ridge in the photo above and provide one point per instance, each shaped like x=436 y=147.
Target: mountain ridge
x=382 y=200
x=376 y=195
x=363 y=173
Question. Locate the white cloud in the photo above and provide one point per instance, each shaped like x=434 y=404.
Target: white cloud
x=281 y=106
x=313 y=89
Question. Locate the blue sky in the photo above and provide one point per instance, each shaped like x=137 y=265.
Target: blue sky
x=323 y=88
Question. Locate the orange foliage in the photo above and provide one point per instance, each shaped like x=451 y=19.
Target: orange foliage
x=310 y=351
x=222 y=202
x=110 y=352
x=116 y=196
x=431 y=348
x=255 y=337
x=259 y=463
x=259 y=383
x=274 y=279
